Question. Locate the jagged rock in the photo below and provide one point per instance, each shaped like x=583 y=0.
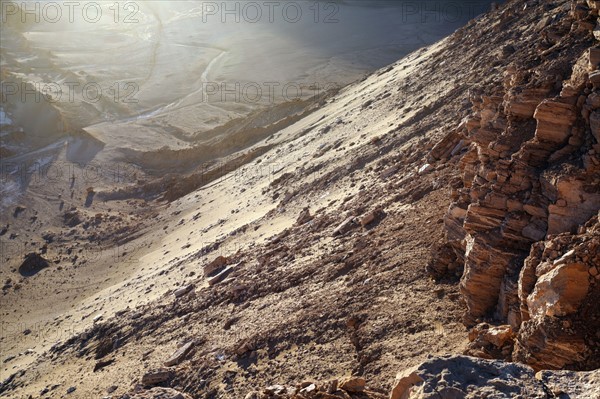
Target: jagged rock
x=161 y=393
x=485 y=267
x=496 y=336
x=180 y=354
x=522 y=102
x=354 y=384
x=449 y=146
x=490 y=342
x=523 y=180
x=344 y=227
x=221 y=275
x=157 y=377
x=304 y=217
x=218 y=263
x=33 y=264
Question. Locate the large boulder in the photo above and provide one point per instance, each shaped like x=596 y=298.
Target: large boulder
x=463 y=377
x=454 y=377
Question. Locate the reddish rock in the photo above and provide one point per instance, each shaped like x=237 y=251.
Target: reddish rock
x=218 y=263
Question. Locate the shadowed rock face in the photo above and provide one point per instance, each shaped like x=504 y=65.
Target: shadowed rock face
x=451 y=377
x=32 y=265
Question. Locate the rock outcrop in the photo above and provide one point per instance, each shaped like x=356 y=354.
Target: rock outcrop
x=529 y=159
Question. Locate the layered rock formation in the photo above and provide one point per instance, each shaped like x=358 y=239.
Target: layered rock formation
x=529 y=158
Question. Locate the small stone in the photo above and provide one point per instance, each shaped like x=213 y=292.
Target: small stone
x=244 y=348
x=157 y=377
x=309 y=388
x=425 y=169
x=564 y=258
x=182 y=291
x=344 y=226
x=160 y=393
x=71 y=390
x=355 y=384
x=304 y=217
x=179 y=354
x=332 y=386
x=275 y=390
x=367 y=219
x=221 y=276
x=389 y=172
x=218 y=263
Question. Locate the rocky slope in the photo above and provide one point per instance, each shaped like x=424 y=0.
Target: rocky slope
x=303 y=272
